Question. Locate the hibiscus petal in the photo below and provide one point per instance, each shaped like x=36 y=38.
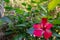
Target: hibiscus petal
x=47 y=34
x=48 y=25
x=38 y=33
x=44 y=21
x=37 y=26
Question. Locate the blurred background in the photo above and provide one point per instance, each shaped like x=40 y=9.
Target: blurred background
x=18 y=16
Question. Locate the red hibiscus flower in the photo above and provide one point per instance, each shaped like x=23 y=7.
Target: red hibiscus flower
x=43 y=28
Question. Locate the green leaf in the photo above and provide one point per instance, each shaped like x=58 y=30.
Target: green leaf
x=8 y=7
x=57 y=38
x=10 y=24
x=55 y=34
x=42 y=1
x=29 y=8
x=56 y=21
x=49 y=17
x=18 y=37
x=8 y=32
x=53 y=4
x=1 y=22
x=43 y=8
x=35 y=1
x=19 y=11
x=7 y=1
x=20 y=25
x=24 y=4
x=26 y=14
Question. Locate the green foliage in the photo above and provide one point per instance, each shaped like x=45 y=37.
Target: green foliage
x=8 y=8
x=7 y=1
x=21 y=24
x=29 y=8
x=24 y=4
x=1 y=22
x=18 y=37
x=56 y=21
x=19 y=11
x=53 y=4
x=43 y=8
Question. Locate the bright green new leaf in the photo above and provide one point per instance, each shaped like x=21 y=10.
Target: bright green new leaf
x=53 y=4
x=19 y=11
